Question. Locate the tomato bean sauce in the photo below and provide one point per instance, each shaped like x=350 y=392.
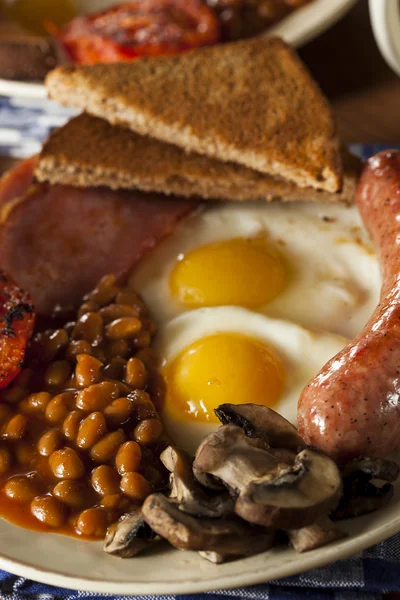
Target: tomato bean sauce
x=80 y=436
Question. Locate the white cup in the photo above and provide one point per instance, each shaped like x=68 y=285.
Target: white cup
x=385 y=21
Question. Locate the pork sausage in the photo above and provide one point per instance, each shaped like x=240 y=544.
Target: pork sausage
x=352 y=407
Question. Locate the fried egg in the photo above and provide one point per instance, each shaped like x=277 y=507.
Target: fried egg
x=210 y=356
x=308 y=263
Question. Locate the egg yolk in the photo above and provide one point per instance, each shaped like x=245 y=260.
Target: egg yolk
x=221 y=368
x=236 y=272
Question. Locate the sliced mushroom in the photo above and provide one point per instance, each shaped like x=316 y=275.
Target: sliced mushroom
x=371 y=468
x=283 y=455
x=228 y=537
x=314 y=536
x=227 y=455
x=295 y=496
x=208 y=481
x=261 y=422
x=215 y=557
x=129 y=536
x=367 y=500
x=188 y=494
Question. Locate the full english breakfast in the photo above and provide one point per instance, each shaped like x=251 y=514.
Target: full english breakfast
x=192 y=251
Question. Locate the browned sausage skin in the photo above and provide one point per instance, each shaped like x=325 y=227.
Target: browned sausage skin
x=352 y=407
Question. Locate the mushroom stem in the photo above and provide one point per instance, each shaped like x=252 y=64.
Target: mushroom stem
x=314 y=536
x=187 y=493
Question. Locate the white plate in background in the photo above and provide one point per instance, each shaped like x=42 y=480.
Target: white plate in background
x=298 y=28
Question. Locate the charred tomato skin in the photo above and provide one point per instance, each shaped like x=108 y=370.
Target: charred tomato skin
x=17 y=319
x=140 y=28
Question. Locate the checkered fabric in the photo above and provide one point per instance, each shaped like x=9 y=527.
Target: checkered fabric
x=367 y=576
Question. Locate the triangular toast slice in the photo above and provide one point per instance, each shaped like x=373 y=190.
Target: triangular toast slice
x=251 y=102
x=121 y=159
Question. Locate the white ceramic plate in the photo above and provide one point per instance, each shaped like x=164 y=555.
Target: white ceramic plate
x=297 y=29
x=70 y=563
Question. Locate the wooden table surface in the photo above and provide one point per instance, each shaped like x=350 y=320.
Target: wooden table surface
x=364 y=92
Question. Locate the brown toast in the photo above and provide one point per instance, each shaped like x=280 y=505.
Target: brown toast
x=88 y=151
x=251 y=102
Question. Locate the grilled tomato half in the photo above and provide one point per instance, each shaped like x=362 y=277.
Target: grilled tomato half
x=142 y=28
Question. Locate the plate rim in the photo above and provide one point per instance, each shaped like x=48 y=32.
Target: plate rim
x=336 y=551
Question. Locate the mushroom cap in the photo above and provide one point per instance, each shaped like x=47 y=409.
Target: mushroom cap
x=296 y=496
x=261 y=422
x=226 y=454
x=371 y=468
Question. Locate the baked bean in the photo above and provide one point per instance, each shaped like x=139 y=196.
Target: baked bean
x=111 y=502
x=118 y=411
x=148 y=431
x=118 y=311
x=69 y=327
x=107 y=447
x=57 y=372
x=49 y=510
x=21 y=489
x=132 y=299
x=142 y=340
x=88 y=370
x=150 y=326
x=16 y=427
x=124 y=389
x=91 y=430
x=58 y=408
x=136 y=373
x=151 y=474
x=105 y=291
x=157 y=389
x=87 y=307
x=147 y=356
x=125 y=328
x=51 y=343
x=99 y=353
x=143 y=406
x=97 y=396
x=135 y=486
x=5 y=413
x=105 y=480
x=128 y=458
x=13 y=394
x=24 y=452
x=35 y=403
x=77 y=347
x=118 y=349
x=72 y=493
x=51 y=440
x=5 y=459
x=70 y=426
x=92 y=522
x=115 y=368
x=89 y=327
x=66 y=464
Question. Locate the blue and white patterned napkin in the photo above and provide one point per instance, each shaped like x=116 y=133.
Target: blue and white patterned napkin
x=367 y=576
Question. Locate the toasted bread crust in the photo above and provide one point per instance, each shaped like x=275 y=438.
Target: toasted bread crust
x=89 y=152
x=251 y=102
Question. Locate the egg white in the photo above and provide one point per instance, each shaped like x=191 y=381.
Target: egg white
x=301 y=351
x=334 y=283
